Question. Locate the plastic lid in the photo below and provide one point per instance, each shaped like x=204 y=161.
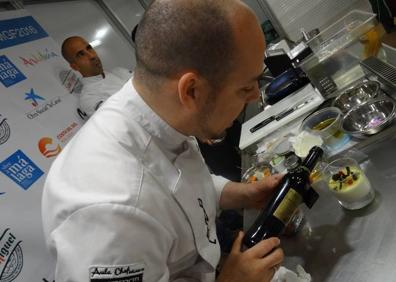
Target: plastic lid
x=292 y=162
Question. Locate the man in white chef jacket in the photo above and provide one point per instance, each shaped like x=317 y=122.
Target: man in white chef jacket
x=98 y=84
x=130 y=197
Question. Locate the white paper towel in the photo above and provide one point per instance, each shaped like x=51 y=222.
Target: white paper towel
x=286 y=275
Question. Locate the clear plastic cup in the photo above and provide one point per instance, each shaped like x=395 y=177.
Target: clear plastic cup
x=327 y=124
x=349 y=184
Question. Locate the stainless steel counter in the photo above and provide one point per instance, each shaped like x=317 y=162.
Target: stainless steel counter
x=340 y=245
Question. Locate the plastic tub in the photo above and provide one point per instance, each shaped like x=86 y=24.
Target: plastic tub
x=390 y=54
x=337 y=52
x=340 y=34
x=327 y=124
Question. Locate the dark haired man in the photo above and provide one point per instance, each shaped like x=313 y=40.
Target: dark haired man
x=130 y=198
x=98 y=85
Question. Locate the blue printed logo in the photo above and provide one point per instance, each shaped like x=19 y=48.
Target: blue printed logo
x=33 y=97
x=20 y=30
x=21 y=169
x=9 y=73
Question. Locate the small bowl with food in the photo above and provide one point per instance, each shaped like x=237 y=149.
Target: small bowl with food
x=327 y=124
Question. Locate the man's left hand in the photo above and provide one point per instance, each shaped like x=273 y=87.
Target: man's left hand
x=258 y=193
x=237 y=195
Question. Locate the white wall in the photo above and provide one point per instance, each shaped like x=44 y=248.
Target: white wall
x=85 y=18
x=129 y=12
x=253 y=4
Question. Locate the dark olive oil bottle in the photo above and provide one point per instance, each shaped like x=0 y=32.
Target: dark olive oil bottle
x=293 y=190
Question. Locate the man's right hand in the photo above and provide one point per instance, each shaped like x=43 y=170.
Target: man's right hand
x=257 y=264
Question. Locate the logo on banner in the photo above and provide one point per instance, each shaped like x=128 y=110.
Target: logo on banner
x=20 y=30
x=11 y=256
x=33 y=97
x=40 y=108
x=70 y=81
x=67 y=133
x=39 y=57
x=83 y=115
x=5 y=131
x=48 y=153
x=20 y=169
x=9 y=73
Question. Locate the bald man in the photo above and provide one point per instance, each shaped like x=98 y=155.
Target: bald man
x=130 y=197
x=98 y=85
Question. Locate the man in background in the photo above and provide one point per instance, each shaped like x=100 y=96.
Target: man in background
x=98 y=85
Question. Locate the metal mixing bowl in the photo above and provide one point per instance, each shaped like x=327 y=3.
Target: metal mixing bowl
x=356 y=95
x=369 y=118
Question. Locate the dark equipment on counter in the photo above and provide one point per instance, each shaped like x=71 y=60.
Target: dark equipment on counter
x=285 y=84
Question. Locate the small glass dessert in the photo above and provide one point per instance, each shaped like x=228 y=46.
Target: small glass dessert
x=257 y=173
x=349 y=184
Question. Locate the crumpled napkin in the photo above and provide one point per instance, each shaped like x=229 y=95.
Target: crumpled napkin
x=284 y=274
x=303 y=142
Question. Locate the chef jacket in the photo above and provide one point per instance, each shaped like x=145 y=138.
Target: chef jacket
x=97 y=89
x=131 y=199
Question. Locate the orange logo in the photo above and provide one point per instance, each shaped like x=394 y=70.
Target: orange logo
x=42 y=145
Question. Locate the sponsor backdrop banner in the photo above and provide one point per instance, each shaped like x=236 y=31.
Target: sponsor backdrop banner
x=38 y=116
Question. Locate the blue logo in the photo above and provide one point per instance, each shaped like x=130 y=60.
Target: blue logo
x=33 y=97
x=21 y=169
x=9 y=73
x=18 y=31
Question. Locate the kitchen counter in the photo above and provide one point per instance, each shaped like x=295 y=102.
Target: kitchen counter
x=335 y=244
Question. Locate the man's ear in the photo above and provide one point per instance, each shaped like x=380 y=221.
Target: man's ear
x=192 y=91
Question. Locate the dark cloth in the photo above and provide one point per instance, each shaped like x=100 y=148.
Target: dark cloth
x=224 y=158
x=385 y=10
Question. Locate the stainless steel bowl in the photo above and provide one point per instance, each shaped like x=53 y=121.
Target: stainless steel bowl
x=356 y=95
x=369 y=118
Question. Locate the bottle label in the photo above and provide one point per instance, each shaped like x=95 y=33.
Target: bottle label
x=288 y=205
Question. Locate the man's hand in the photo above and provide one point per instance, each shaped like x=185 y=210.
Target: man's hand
x=257 y=264
x=252 y=195
x=259 y=192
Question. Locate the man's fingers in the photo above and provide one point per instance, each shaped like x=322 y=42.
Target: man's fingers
x=276 y=178
x=236 y=246
x=264 y=247
x=274 y=259
x=271 y=181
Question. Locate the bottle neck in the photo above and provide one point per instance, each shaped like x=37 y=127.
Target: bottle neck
x=313 y=156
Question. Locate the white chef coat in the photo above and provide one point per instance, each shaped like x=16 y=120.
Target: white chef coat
x=97 y=89
x=131 y=198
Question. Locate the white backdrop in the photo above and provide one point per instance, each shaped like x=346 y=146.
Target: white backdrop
x=37 y=118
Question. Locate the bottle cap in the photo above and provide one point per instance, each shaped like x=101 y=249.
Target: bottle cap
x=292 y=162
